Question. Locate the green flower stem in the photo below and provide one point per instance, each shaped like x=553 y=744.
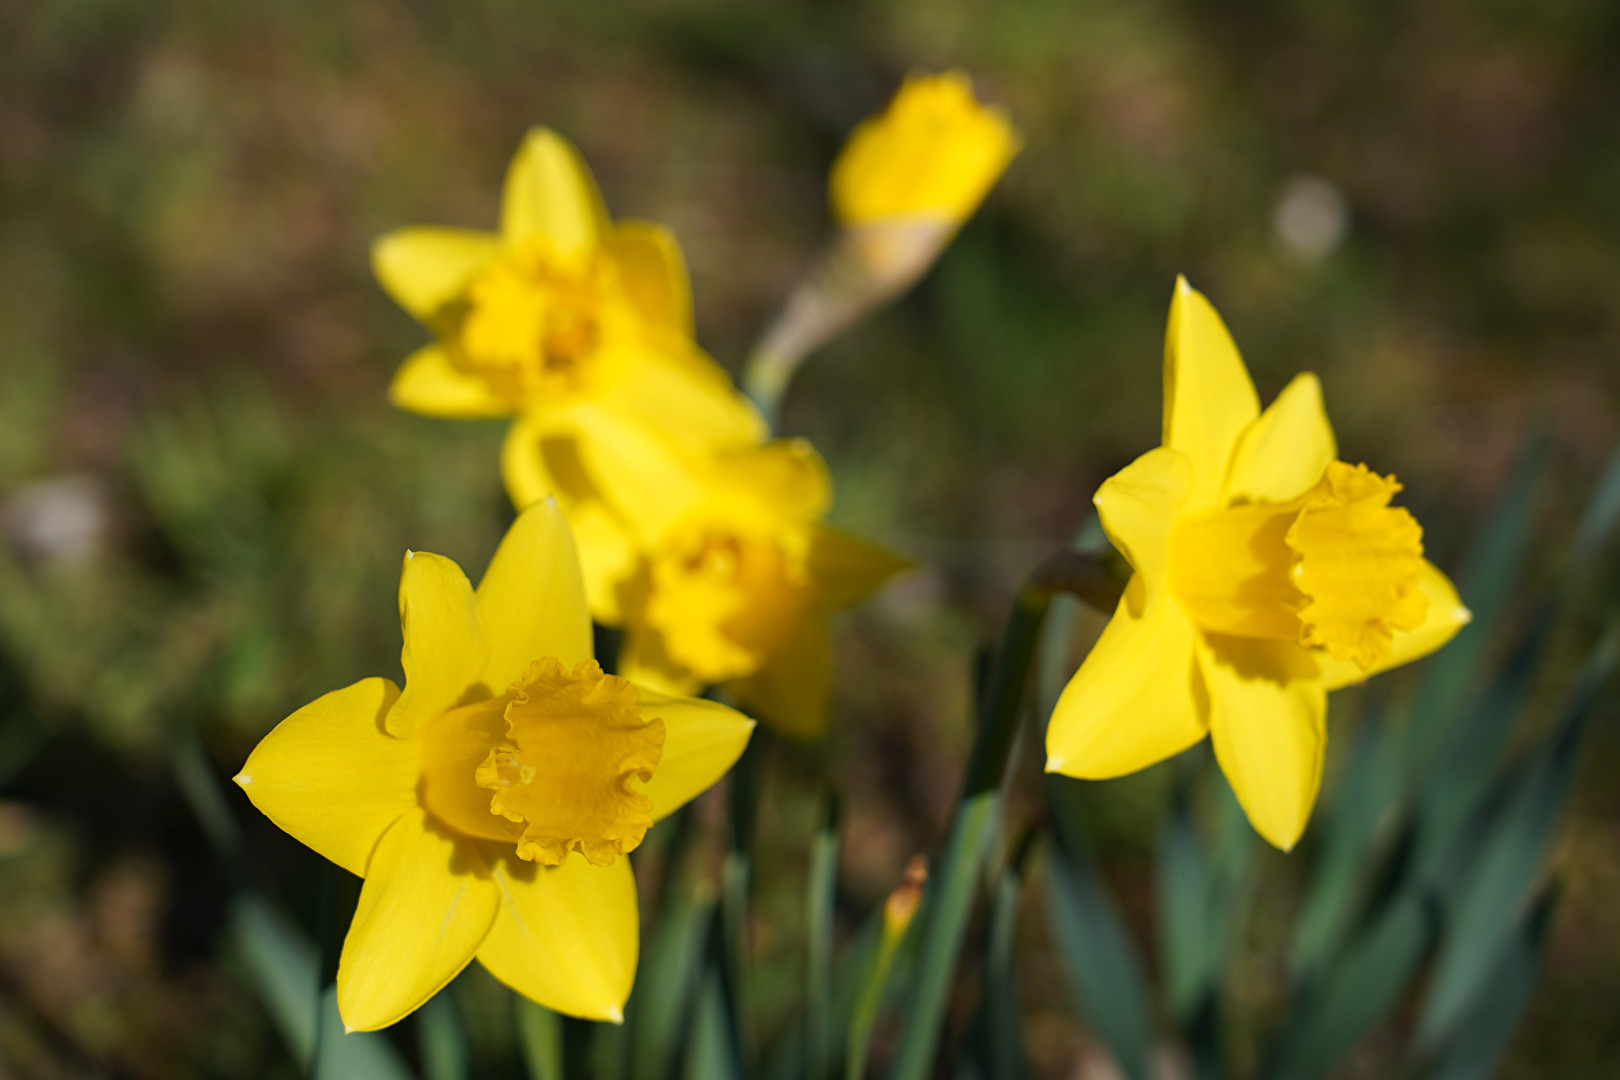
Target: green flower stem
x=950 y=893
x=766 y=379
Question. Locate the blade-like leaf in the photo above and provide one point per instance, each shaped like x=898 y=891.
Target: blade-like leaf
x=1101 y=960
x=442 y=1040
x=540 y=1034
x=1483 y=1034
x=1358 y=992
x=1495 y=891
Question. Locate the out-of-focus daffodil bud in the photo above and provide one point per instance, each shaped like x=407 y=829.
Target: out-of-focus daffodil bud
x=904 y=183
x=932 y=155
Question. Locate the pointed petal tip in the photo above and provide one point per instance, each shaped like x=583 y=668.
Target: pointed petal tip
x=347 y=1030
x=242 y=779
x=614 y=1015
x=1054 y=764
x=1463 y=615
x=1182 y=285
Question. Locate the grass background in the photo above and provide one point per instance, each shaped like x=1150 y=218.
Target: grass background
x=203 y=492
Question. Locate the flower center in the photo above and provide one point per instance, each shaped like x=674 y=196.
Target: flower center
x=535 y=322
x=724 y=600
x=551 y=765
x=1336 y=568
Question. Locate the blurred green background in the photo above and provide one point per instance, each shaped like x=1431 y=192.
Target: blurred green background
x=203 y=493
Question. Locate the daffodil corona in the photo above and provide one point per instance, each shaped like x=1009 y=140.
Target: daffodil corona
x=1266 y=573
x=561 y=307
x=489 y=803
x=715 y=562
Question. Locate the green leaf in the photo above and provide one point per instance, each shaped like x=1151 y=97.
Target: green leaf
x=283 y=966
x=1601 y=516
x=667 y=984
x=819 y=1048
x=540 y=1033
x=1494 y=892
x=360 y=1055
x=1359 y=991
x=442 y=1040
x=1000 y=1003
x=1097 y=952
x=710 y=1055
x=1484 y=1033
x=1488 y=583
x=1185 y=936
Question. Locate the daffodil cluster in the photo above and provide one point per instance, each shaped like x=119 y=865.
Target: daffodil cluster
x=700 y=537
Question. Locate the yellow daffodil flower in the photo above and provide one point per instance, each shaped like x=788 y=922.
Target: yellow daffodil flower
x=489 y=803
x=561 y=306
x=932 y=155
x=716 y=563
x=1267 y=572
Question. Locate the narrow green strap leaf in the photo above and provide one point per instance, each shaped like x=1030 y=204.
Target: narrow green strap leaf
x=540 y=1034
x=1100 y=960
x=1359 y=993
x=1007 y=1058
x=362 y=1055
x=821 y=892
x=441 y=1039
x=870 y=962
x=1601 y=516
x=1488 y=584
x=1185 y=935
x=667 y=984
x=283 y=967
x=1496 y=889
x=710 y=1054
x=1485 y=1032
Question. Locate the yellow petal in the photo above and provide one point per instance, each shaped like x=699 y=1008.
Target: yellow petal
x=643 y=661
x=332 y=777
x=680 y=391
x=425 y=908
x=537 y=461
x=1267 y=720
x=792 y=691
x=848 y=568
x=550 y=192
x=702 y=739
x=785 y=478
x=531 y=602
x=1208 y=397
x=653 y=273
x=566 y=935
x=424 y=268
x=445 y=654
x=1138 y=507
x=1446 y=615
x=429 y=384
x=1283 y=453
x=1136 y=700
x=641 y=472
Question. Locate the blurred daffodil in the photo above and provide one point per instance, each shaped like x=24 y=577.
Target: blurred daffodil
x=716 y=563
x=1267 y=572
x=488 y=804
x=902 y=186
x=933 y=155
x=561 y=306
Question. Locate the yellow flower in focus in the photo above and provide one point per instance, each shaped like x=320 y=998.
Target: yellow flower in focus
x=488 y=804
x=715 y=562
x=561 y=306
x=933 y=154
x=1267 y=573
